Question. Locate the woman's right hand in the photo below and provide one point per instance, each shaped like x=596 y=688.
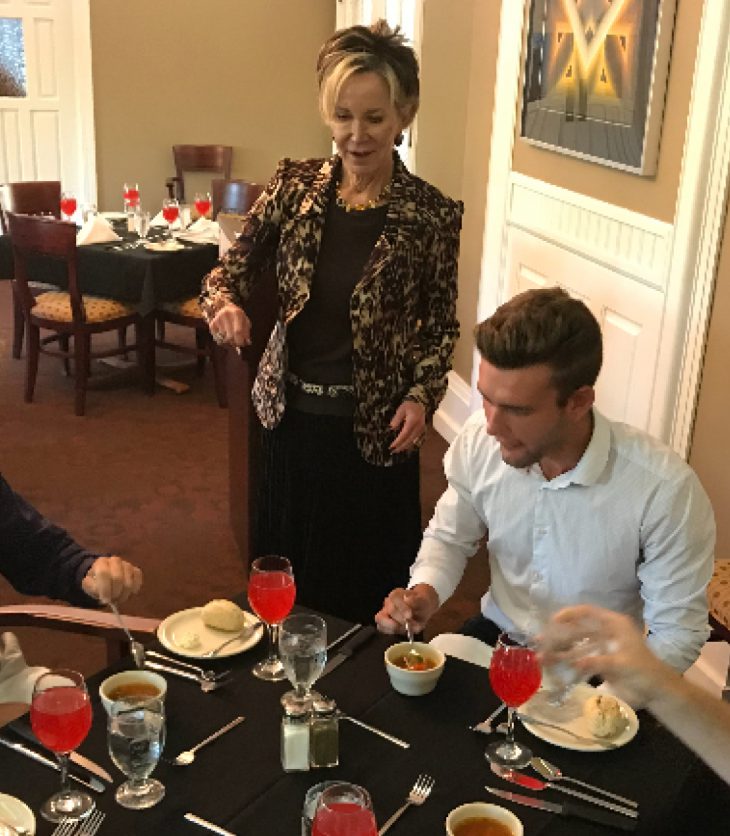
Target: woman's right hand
x=231 y=326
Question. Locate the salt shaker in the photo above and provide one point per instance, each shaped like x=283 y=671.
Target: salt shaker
x=295 y=738
x=324 y=733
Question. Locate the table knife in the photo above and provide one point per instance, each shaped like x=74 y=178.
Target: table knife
x=581 y=811
x=536 y=784
x=346 y=635
x=93 y=783
x=25 y=731
x=191 y=817
x=348 y=648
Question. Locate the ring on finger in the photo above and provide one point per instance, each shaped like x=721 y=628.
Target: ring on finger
x=219 y=337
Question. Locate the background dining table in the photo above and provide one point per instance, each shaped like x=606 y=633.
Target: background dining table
x=127 y=274
x=238 y=781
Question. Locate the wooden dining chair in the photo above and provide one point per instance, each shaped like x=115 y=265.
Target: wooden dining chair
x=69 y=315
x=214 y=158
x=38 y=197
x=236 y=196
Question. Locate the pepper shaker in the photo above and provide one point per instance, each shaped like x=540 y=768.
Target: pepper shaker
x=324 y=733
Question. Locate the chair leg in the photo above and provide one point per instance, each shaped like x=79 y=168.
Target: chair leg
x=63 y=341
x=31 y=368
x=161 y=330
x=202 y=341
x=122 y=341
x=218 y=358
x=18 y=326
x=82 y=348
x=145 y=337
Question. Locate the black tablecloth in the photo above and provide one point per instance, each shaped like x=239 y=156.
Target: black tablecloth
x=134 y=275
x=238 y=782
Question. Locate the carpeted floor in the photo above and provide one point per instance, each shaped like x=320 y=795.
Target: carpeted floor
x=145 y=477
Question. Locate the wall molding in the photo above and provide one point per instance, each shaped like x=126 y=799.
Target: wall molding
x=625 y=242
x=454 y=409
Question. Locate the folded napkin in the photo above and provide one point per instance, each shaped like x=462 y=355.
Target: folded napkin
x=203 y=231
x=96 y=230
x=183 y=219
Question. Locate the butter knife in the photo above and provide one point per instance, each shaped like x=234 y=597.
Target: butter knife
x=93 y=783
x=25 y=731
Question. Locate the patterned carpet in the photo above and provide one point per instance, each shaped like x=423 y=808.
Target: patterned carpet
x=144 y=477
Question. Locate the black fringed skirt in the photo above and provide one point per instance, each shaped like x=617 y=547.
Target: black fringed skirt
x=350 y=529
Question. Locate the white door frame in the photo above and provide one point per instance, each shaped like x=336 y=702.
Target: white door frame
x=698 y=221
x=85 y=132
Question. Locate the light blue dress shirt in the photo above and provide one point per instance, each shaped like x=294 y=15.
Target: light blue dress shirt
x=629 y=528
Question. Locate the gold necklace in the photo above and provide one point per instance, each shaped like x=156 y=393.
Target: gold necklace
x=361 y=207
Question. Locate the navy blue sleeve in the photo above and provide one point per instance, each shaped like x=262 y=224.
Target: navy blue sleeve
x=37 y=557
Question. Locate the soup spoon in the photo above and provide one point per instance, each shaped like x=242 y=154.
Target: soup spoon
x=186 y=757
x=413 y=659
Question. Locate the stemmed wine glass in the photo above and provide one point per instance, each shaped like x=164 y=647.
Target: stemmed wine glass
x=303 y=652
x=60 y=715
x=68 y=205
x=202 y=203
x=344 y=810
x=136 y=737
x=170 y=212
x=271 y=593
x=514 y=674
x=131 y=196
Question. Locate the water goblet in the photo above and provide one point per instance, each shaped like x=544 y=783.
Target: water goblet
x=344 y=810
x=271 y=593
x=514 y=674
x=202 y=203
x=303 y=652
x=142 y=225
x=60 y=715
x=170 y=212
x=136 y=737
x=68 y=205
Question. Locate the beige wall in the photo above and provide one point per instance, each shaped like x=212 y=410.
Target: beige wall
x=455 y=125
x=710 y=455
x=653 y=196
x=236 y=72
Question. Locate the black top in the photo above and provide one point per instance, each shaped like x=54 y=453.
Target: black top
x=320 y=336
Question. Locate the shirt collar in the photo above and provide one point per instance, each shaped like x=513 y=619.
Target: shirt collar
x=593 y=461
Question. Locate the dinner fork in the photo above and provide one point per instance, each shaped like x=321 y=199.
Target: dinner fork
x=64 y=828
x=419 y=793
x=91 y=825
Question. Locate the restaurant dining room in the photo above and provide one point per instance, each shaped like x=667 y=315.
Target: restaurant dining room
x=223 y=433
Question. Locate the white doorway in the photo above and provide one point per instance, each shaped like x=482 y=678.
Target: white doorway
x=47 y=123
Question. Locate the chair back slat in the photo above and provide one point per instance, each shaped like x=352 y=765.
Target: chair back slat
x=32 y=236
x=236 y=196
x=37 y=197
x=214 y=158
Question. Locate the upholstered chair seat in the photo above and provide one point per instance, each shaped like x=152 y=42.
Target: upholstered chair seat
x=57 y=306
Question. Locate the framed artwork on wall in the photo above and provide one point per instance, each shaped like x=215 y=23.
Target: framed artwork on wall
x=595 y=79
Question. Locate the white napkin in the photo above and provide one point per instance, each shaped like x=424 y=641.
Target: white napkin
x=183 y=219
x=202 y=231
x=96 y=230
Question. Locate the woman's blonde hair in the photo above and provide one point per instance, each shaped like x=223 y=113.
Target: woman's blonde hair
x=378 y=49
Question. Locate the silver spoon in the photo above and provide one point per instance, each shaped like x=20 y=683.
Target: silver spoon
x=551 y=773
x=485 y=727
x=186 y=757
x=136 y=647
x=413 y=659
x=209 y=654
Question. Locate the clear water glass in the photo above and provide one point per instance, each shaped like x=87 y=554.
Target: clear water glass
x=136 y=738
x=142 y=224
x=303 y=652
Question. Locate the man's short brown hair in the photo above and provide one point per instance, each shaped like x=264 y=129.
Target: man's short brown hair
x=544 y=326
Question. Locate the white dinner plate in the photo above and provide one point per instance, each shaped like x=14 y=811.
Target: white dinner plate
x=180 y=624
x=164 y=246
x=114 y=216
x=15 y=813
x=575 y=721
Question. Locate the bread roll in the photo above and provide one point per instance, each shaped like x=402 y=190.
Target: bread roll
x=604 y=715
x=223 y=615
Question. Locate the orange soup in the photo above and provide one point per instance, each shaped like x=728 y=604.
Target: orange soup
x=426 y=665
x=134 y=689
x=481 y=826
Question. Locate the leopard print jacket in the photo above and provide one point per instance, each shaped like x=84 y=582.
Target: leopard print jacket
x=403 y=309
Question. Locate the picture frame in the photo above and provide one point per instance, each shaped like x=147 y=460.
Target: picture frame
x=595 y=77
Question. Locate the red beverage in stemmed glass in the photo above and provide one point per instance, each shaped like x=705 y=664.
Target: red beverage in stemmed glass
x=202 y=204
x=131 y=195
x=61 y=718
x=514 y=673
x=68 y=205
x=170 y=213
x=271 y=595
x=60 y=715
